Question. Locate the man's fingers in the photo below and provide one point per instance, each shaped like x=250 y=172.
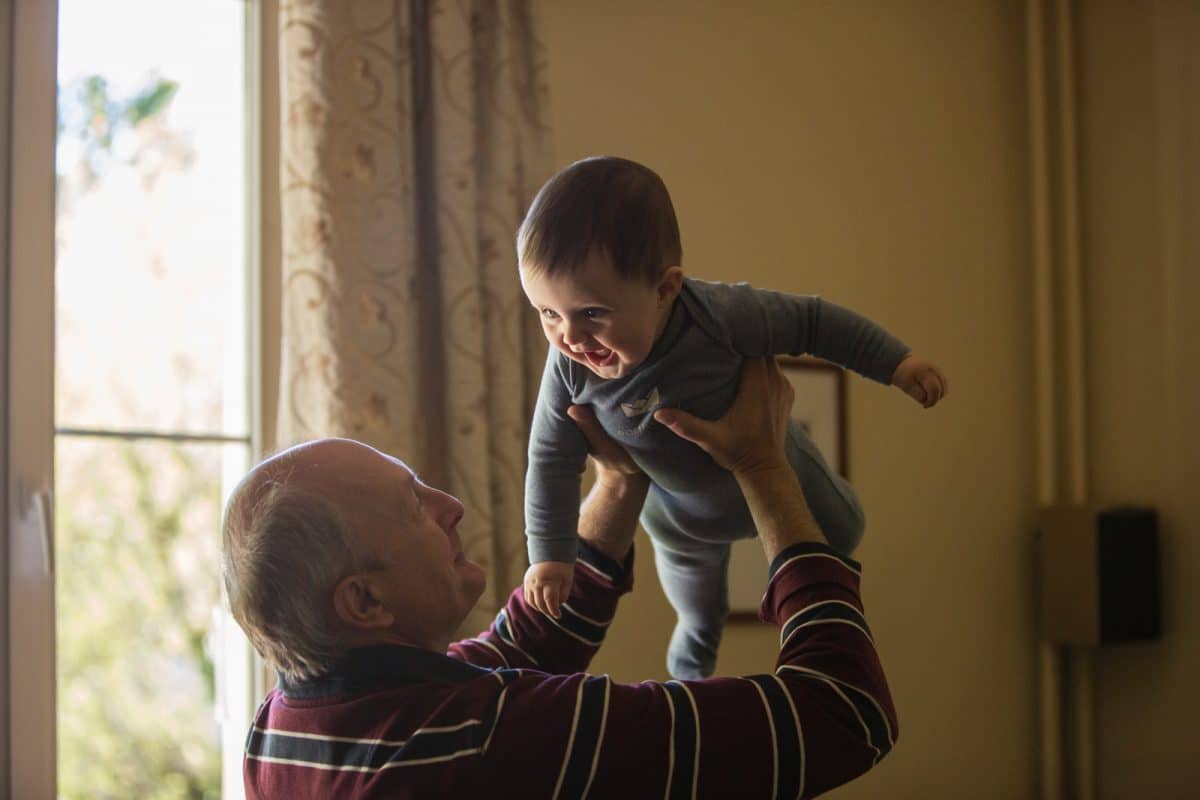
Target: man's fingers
x=787 y=393
x=682 y=423
x=585 y=419
x=604 y=450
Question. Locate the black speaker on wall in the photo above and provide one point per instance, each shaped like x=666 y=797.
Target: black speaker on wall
x=1099 y=575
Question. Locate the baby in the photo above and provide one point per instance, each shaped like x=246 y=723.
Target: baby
x=600 y=257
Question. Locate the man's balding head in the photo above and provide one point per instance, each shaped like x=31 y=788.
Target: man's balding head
x=329 y=545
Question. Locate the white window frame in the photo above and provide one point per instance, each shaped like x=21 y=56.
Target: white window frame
x=28 y=134
x=5 y=116
x=30 y=106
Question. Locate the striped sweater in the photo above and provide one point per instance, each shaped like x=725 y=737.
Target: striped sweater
x=512 y=712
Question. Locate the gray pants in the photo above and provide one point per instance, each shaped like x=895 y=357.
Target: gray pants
x=693 y=563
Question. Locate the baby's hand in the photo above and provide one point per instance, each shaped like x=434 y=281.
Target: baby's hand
x=547 y=586
x=921 y=380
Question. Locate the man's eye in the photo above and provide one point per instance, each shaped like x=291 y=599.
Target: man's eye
x=594 y=313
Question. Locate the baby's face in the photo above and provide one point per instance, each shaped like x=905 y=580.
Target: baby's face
x=596 y=317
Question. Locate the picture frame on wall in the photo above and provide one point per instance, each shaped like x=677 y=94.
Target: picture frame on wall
x=820 y=408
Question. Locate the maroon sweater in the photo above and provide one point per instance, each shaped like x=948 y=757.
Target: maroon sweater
x=511 y=713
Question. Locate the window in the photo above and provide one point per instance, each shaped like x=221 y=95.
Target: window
x=152 y=393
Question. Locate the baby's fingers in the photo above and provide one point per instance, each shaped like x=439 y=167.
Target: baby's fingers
x=943 y=384
x=533 y=597
x=933 y=389
x=935 y=382
x=551 y=598
x=917 y=392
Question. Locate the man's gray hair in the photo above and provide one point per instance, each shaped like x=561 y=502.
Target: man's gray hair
x=285 y=549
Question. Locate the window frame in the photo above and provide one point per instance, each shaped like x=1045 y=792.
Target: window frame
x=5 y=84
x=28 y=137
x=32 y=118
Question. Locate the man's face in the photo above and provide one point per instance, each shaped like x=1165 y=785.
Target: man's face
x=408 y=532
x=596 y=317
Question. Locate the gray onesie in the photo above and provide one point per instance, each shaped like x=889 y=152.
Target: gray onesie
x=694 y=508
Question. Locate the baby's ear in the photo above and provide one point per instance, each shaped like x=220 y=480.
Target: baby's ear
x=670 y=284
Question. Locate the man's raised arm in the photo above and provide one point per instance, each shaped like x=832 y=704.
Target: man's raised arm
x=823 y=717
x=522 y=636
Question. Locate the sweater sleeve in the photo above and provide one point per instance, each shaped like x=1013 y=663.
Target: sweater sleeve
x=557 y=456
x=761 y=322
x=523 y=637
x=823 y=717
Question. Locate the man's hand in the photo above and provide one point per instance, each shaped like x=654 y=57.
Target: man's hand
x=750 y=436
x=548 y=585
x=749 y=441
x=921 y=380
x=608 y=516
x=611 y=459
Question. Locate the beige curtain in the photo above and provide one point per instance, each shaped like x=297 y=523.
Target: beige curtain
x=413 y=140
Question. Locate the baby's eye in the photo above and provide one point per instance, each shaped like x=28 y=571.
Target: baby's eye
x=594 y=313
x=549 y=313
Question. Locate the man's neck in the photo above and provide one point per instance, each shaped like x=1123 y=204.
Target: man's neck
x=375 y=637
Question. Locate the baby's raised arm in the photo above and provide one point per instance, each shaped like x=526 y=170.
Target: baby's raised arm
x=768 y=323
x=762 y=322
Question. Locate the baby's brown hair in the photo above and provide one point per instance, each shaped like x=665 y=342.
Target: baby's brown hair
x=612 y=206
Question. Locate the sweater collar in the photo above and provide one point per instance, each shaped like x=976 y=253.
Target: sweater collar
x=366 y=668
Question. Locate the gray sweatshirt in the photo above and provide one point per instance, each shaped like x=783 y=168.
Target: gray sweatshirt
x=694 y=366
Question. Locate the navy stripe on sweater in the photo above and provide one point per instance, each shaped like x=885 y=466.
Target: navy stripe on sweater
x=826 y=611
x=685 y=742
x=586 y=737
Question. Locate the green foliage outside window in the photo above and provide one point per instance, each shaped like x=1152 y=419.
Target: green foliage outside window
x=137 y=528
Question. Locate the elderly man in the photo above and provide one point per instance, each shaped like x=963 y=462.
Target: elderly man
x=347 y=573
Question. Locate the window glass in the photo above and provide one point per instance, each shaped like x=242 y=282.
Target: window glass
x=138 y=583
x=150 y=229
x=151 y=393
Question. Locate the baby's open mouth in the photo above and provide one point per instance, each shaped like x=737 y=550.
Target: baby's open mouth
x=600 y=357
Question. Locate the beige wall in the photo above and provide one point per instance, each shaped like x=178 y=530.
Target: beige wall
x=1140 y=161
x=874 y=153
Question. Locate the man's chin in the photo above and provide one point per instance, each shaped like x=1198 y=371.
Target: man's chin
x=474 y=579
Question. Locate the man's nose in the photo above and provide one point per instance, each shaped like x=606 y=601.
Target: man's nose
x=450 y=509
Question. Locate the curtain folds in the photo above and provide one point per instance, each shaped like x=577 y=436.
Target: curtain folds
x=413 y=139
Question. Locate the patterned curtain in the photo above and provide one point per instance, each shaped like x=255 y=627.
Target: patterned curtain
x=413 y=140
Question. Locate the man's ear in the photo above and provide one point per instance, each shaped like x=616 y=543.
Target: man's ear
x=359 y=604
x=669 y=285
